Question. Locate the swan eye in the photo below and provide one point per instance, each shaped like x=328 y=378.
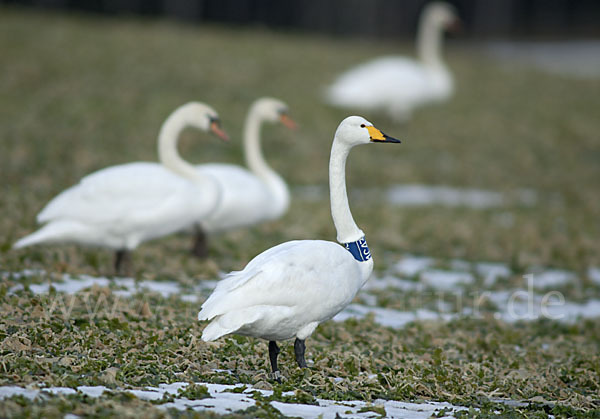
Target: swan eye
x=362 y=125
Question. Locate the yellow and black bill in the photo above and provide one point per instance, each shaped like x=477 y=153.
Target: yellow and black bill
x=379 y=137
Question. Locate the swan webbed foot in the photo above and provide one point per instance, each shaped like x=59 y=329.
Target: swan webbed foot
x=299 y=349
x=122 y=262
x=273 y=352
x=200 y=244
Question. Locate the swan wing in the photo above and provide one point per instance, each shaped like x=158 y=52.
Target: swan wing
x=383 y=79
x=129 y=194
x=314 y=276
x=245 y=199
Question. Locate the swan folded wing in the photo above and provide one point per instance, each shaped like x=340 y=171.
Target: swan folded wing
x=127 y=194
x=297 y=274
x=243 y=321
x=231 y=175
x=236 y=279
x=372 y=82
x=240 y=189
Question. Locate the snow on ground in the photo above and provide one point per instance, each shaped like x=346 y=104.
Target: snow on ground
x=124 y=287
x=395 y=319
x=422 y=195
x=594 y=275
x=223 y=400
x=412 y=265
x=532 y=297
x=578 y=59
x=445 y=280
x=460 y=281
x=551 y=278
x=417 y=195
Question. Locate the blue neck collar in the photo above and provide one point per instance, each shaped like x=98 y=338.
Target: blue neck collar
x=359 y=249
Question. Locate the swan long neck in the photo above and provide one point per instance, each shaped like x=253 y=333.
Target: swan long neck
x=429 y=42
x=169 y=156
x=252 y=147
x=347 y=230
x=258 y=165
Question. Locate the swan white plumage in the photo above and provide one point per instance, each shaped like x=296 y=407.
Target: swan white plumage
x=248 y=196
x=289 y=289
x=121 y=206
x=398 y=85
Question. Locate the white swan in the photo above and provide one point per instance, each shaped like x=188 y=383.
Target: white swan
x=121 y=206
x=247 y=196
x=398 y=85
x=289 y=289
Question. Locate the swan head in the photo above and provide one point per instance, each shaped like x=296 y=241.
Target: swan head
x=273 y=110
x=203 y=117
x=441 y=15
x=355 y=130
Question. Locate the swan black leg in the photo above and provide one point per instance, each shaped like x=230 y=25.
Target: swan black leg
x=273 y=352
x=299 y=348
x=200 y=245
x=122 y=262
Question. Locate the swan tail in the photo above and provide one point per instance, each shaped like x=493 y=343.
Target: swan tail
x=229 y=323
x=214 y=331
x=52 y=232
x=40 y=236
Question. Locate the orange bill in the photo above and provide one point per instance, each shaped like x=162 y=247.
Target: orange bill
x=216 y=128
x=287 y=121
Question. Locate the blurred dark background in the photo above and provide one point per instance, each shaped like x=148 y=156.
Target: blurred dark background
x=372 y=19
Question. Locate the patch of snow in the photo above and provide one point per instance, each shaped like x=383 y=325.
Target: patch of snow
x=164 y=288
x=25 y=273
x=395 y=319
x=594 y=275
x=189 y=298
x=149 y=395
x=578 y=59
x=519 y=305
x=224 y=401
x=411 y=265
x=416 y=195
x=11 y=391
x=445 y=280
x=396 y=409
x=552 y=278
x=92 y=391
x=368 y=299
x=491 y=272
x=390 y=281
x=424 y=195
x=208 y=284
x=15 y=289
x=63 y=391
x=222 y=405
x=70 y=285
x=127 y=286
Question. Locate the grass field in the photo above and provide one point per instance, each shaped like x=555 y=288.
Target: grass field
x=80 y=93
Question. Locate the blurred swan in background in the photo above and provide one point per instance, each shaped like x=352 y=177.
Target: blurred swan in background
x=248 y=196
x=398 y=85
x=289 y=289
x=121 y=206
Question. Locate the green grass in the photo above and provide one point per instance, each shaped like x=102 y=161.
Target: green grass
x=82 y=93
